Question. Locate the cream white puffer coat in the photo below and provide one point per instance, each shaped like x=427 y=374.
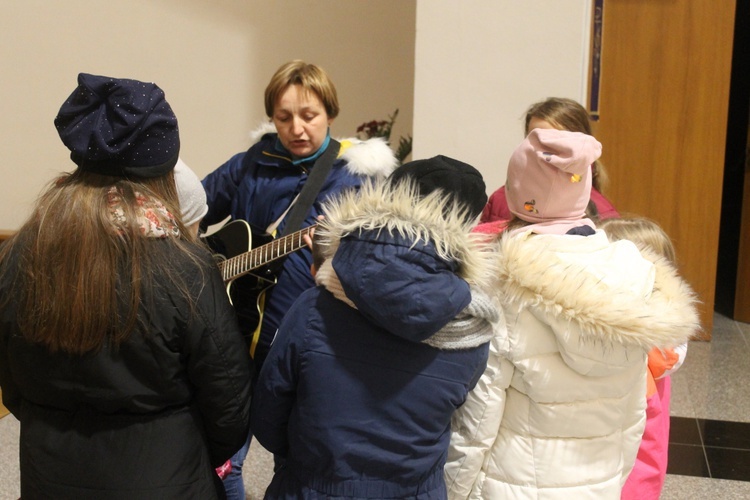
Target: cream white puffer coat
x=560 y=409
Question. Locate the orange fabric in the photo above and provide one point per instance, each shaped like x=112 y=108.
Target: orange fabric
x=661 y=360
x=650 y=385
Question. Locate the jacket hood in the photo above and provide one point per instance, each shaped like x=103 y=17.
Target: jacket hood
x=371 y=157
x=398 y=259
x=612 y=292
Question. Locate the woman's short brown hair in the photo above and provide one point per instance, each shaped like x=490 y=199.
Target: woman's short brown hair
x=310 y=77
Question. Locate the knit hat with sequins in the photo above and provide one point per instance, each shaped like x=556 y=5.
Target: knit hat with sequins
x=119 y=127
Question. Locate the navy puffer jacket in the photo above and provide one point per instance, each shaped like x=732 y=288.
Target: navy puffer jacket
x=257 y=186
x=353 y=396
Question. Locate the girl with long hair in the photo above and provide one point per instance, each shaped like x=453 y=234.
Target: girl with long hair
x=119 y=351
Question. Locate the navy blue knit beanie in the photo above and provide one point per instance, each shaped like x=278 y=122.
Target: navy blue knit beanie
x=119 y=127
x=457 y=179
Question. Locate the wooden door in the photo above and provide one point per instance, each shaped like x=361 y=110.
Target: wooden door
x=663 y=98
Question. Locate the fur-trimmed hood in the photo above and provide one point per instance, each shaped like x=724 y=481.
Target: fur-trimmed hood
x=611 y=291
x=371 y=157
x=404 y=262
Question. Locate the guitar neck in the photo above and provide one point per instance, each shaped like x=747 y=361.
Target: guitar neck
x=238 y=265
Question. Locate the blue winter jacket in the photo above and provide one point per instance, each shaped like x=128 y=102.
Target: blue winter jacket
x=257 y=186
x=350 y=396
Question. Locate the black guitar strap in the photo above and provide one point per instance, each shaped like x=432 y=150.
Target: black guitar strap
x=309 y=193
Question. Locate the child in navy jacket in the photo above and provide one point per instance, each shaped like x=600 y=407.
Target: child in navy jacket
x=367 y=368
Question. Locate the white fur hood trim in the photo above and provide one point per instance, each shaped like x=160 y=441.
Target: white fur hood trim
x=378 y=206
x=532 y=275
x=372 y=157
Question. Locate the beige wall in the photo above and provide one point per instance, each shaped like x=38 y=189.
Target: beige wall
x=481 y=63
x=477 y=65
x=213 y=60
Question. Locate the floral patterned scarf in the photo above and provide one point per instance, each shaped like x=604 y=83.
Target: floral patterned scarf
x=154 y=219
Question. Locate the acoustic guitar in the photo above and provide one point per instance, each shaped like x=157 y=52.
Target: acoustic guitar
x=245 y=269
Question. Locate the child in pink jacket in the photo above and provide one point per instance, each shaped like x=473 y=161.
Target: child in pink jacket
x=646 y=480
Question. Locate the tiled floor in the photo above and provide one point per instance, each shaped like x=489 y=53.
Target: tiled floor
x=709 y=451
x=709 y=454
x=709 y=448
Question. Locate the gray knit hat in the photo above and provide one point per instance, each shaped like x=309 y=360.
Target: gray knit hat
x=191 y=193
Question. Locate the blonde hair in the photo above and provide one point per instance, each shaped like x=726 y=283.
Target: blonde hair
x=310 y=77
x=645 y=233
x=567 y=114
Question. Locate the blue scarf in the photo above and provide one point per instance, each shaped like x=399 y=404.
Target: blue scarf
x=280 y=147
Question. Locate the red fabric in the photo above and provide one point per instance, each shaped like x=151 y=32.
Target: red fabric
x=223 y=470
x=603 y=206
x=491 y=228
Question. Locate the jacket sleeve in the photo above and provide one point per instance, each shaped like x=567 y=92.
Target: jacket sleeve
x=276 y=387
x=476 y=423
x=665 y=361
x=220 y=368
x=221 y=187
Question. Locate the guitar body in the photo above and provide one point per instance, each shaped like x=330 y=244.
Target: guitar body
x=234 y=239
x=246 y=292
x=246 y=270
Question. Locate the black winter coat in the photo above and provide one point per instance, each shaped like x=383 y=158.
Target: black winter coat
x=151 y=419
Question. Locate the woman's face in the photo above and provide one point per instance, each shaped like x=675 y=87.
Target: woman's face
x=301 y=121
x=538 y=123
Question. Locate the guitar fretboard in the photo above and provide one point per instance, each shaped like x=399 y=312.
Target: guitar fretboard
x=238 y=265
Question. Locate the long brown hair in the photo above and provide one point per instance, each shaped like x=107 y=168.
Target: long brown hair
x=78 y=280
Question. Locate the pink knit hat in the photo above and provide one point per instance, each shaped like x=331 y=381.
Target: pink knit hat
x=549 y=175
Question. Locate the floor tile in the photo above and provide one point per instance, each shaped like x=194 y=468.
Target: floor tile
x=10 y=475
x=727 y=330
x=701 y=488
x=745 y=329
x=716 y=375
x=681 y=404
x=728 y=463
x=724 y=434
x=687 y=460
x=684 y=431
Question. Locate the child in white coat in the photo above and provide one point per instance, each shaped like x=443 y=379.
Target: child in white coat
x=646 y=480
x=559 y=411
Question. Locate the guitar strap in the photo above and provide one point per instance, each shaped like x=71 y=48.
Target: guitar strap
x=299 y=208
x=310 y=190
x=303 y=201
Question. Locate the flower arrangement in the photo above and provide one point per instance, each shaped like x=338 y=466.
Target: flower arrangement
x=382 y=128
